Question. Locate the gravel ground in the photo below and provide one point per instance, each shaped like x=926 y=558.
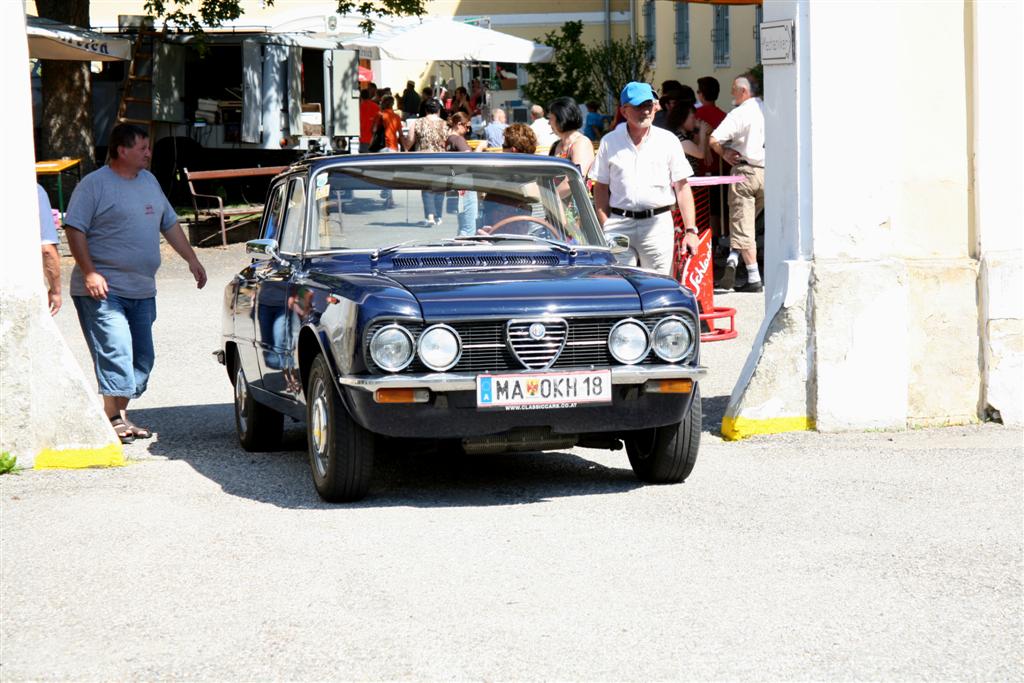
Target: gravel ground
x=801 y=556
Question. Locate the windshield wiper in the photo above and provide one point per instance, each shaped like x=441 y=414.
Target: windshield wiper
x=561 y=246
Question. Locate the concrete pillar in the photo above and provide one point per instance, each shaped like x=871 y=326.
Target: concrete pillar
x=49 y=414
x=872 y=317
x=774 y=392
x=998 y=206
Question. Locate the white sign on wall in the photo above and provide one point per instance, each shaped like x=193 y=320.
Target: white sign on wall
x=777 y=42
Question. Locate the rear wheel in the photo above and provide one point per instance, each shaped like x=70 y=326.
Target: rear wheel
x=666 y=455
x=340 y=451
x=259 y=427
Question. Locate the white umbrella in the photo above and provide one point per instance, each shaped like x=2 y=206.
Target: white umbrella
x=444 y=40
x=48 y=39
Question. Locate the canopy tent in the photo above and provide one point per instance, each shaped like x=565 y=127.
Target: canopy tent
x=444 y=40
x=48 y=39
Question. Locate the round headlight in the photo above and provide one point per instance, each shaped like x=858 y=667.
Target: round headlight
x=439 y=347
x=672 y=340
x=391 y=348
x=627 y=341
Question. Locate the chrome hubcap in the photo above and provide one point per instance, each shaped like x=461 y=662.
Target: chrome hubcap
x=318 y=427
x=241 y=401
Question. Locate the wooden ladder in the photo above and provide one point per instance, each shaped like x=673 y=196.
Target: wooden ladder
x=136 y=104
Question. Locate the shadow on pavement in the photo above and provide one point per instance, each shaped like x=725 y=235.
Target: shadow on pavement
x=713 y=409
x=204 y=437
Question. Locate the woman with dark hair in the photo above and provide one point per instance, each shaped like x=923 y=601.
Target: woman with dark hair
x=566 y=120
x=458 y=127
x=460 y=102
x=429 y=134
x=692 y=133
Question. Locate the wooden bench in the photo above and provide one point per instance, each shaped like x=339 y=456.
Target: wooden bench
x=222 y=213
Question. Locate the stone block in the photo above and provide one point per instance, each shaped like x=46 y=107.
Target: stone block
x=1002 y=298
x=860 y=344
x=945 y=353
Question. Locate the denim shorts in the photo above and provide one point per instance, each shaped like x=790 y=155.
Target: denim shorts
x=119 y=333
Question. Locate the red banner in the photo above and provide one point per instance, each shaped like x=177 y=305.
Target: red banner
x=697 y=272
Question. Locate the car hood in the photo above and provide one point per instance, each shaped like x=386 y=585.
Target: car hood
x=521 y=291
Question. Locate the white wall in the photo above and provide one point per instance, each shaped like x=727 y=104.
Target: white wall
x=48 y=414
x=998 y=114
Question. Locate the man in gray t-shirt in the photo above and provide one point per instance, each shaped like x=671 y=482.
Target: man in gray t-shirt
x=114 y=221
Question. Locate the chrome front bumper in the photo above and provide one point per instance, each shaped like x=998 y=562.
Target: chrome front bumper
x=466 y=381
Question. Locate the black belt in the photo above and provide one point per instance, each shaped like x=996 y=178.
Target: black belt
x=646 y=213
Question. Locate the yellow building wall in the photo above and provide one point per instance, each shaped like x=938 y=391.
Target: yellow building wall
x=742 y=48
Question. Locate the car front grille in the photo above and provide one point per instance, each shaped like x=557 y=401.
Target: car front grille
x=484 y=347
x=536 y=352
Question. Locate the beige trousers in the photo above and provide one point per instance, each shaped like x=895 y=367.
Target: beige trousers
x=746 y=200
x=653 y=239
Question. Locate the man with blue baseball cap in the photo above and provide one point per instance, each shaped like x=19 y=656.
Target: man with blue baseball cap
x=640 y=173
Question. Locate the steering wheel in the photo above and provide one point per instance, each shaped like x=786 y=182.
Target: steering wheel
x=513 y=219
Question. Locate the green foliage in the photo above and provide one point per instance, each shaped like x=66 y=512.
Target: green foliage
x=757 y=72
x=586 y=72
x=568 y=74
x=7 y=462
x=618 y=63
x=179 y=15
x=382 y=8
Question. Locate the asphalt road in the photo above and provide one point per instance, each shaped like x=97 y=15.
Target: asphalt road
x=803 y=556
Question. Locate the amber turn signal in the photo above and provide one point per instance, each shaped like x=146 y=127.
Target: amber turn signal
x=669 y=386
x=401 y=396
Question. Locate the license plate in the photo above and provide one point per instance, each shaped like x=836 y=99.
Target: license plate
x=544 y=390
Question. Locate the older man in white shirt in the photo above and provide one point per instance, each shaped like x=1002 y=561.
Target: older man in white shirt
x=739 y=139
x=639 y=174
x=542 y=127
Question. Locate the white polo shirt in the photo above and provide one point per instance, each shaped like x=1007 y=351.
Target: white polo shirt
x=743 y=130
x=640 y=176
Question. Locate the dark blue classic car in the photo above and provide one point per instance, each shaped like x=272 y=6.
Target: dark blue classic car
x=469 y=298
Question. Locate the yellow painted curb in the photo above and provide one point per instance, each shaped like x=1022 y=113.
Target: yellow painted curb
x=111 y=455
x=735 y=428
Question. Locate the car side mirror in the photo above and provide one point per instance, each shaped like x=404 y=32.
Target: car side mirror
x=617 y=242
x=263 y=250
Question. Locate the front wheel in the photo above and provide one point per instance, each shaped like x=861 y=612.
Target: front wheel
x=259 y=427
x=340 y=451
x=666 y=455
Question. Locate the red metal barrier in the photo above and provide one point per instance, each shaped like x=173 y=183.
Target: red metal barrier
x=697 y=273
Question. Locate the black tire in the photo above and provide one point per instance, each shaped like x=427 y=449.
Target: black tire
x=340 y=451
x=666 y=455
x=259 y=427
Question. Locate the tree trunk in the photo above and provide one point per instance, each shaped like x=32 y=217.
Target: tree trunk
x=66 y=118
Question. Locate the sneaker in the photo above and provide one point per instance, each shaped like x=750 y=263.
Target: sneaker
x=728 y=280
x=427 y=223
x=751 y=287
x=437 y=221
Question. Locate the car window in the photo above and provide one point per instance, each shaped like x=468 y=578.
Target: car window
x=379 y=205
x=291 y=233
x=272 y=224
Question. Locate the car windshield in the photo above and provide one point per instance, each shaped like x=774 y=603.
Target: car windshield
x=381 y=206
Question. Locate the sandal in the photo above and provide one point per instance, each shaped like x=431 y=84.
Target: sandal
x=137 y=431
x=122 y=429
